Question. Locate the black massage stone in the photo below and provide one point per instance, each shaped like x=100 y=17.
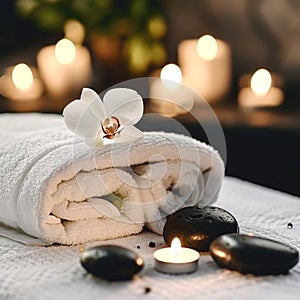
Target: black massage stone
x=112 y=263
x=255 y=255
x=197 y=227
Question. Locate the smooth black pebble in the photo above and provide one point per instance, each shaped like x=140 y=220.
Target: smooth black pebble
x=197 y=227
x=111 y=262
x=255 y=255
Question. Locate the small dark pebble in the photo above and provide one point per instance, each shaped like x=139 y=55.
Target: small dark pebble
x=290 y=225
x=111 y=262
x=147 y=289
x=139 y=247
x=152 y=244
x=254 y=255
x=197 y=227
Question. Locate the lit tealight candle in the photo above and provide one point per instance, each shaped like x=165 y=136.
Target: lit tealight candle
x=176 y=259
x=21 y=83
x=168 y=96
x=206 y=65
x=261 y=92
x=64 y=67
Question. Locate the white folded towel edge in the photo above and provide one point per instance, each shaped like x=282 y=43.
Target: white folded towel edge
x=21 y=237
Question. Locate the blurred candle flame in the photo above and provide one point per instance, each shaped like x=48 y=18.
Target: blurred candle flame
x=74 y=31
x=207 y=47
x=22 y=76
x=65 y=51
x=261 y=82
x=171 y=75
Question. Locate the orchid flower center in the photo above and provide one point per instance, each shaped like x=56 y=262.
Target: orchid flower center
x=111 y=126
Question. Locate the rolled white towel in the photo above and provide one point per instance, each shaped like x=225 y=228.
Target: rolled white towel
x=57 y=189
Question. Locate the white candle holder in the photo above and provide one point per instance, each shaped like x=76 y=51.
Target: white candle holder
x=260 y=90
x=168 y=96
x=176 y=259
x=206 y=66
x=32 y=88
x=64 y=68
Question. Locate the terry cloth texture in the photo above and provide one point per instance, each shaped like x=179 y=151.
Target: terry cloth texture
x=57 y=189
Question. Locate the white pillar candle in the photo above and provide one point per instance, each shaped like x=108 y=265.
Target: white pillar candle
x=21 y=83
x=64 y=68
x=176 y=259
x=261 y=92
x=206 y=66
x=167 y=94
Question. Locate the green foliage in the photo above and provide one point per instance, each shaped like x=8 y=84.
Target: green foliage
x=140 y=23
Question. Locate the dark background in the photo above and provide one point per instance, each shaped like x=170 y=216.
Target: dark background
x=263 y=146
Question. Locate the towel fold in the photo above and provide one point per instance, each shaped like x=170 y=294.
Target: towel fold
x=59 y=190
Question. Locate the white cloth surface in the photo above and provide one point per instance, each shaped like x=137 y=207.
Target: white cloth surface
x=56 y=188
x=55 y=272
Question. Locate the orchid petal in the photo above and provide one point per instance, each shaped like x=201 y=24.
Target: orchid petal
x=94 y=103
x=80 y=120
x=125 y=104
x=129 y=133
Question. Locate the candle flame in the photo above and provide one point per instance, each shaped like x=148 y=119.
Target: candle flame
x=171 y=75
x=261 y=82
x=65 y=51
x=207 y=47
x=176 y=246
x=22 y=76
x=74 y=31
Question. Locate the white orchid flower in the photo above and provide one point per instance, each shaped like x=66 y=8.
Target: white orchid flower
x=105 y=122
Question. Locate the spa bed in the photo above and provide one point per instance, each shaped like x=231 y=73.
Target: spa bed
x=54 y=272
